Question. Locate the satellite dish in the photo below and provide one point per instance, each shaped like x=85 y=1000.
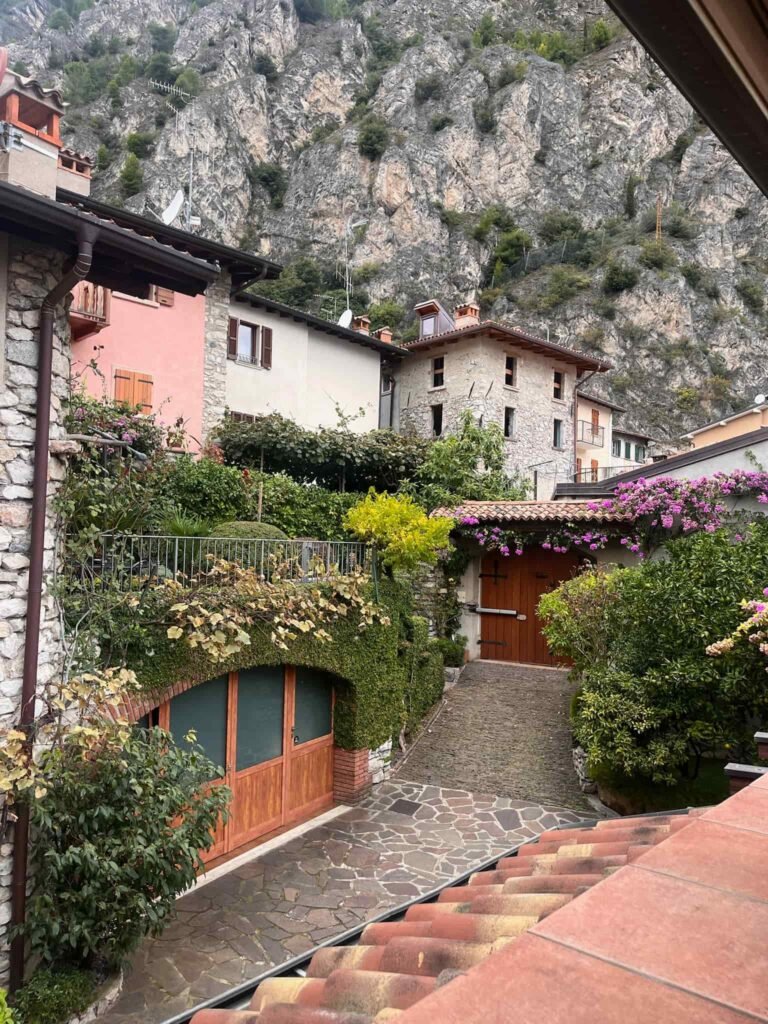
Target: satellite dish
x=172 y=211
x=345 y=320
x=759 y=399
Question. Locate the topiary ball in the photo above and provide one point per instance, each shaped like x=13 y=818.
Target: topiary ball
x=244 y=530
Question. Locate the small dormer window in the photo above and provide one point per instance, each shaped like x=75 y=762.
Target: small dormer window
x=428 y=325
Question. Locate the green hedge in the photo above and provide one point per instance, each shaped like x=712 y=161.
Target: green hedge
x=393 y=673
x=248 y=530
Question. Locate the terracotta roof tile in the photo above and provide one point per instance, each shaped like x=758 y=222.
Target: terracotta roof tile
x=530 y=512
x=397 y=964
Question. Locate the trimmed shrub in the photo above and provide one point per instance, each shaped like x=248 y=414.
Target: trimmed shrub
x=208 y=490
x=452 y=651
x=248 y=530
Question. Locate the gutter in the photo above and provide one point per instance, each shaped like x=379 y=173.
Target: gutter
x=87 y=235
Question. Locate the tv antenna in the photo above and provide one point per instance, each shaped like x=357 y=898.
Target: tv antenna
x=658 y=216
x=184 y=125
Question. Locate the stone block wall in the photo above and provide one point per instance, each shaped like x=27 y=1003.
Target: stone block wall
x=474 y=380
x=26 y=276
x=215 y=352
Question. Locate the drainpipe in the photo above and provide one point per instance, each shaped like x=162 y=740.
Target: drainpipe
x=86 y=238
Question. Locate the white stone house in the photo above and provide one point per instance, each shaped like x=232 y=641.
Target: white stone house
x=503 y=375
x=310 y=370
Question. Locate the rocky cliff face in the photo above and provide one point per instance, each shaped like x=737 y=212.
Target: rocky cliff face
x=480 y=128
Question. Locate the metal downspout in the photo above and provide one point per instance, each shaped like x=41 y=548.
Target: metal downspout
x=86 y=237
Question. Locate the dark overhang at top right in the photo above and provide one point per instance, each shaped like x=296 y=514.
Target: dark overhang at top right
x=716 y=53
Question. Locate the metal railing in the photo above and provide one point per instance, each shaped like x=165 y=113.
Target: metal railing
x=593 y=474
x=590 y=434
x=130 y=561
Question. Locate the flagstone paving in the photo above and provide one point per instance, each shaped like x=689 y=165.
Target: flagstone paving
x=405 y=840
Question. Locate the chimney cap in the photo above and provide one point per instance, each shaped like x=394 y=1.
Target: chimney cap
x=384 y=334
x=362 y=324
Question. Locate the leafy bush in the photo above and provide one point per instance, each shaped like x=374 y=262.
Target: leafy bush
x=512 y=73
x=140 y=144
x=208 y=490
x=400 y=529
x=440 y=121
x=117 y=839
x=599 y=35
x=563 y=283
x=486 y=33
x=190 y=82
x=619 y=277
x=651 y=697
x=751 y=294
x=485 y=116
x=163 y=37
x=560 y=226
x=452 y=651
x=131 y=176
x=160 y=68
x=428 y=88
x=60 y=20
x=53 y=996
x=302 y=510
x=373 y=137
x=657 y=255
x=264 y=65
x=248 y=530
x=337 y=459
x=272 y=178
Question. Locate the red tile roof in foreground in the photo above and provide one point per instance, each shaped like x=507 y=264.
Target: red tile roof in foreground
x=531 y=512
x=400 y=970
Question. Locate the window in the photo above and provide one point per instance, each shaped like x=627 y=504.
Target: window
x=559 y=382
x=249 y=343
x=510 y=372
x=616 y=448
x=595 y=421
x=627 y=450
x=557 y=434
x=134 y=388
x=437 y=420
x=438 y=372
x=579 y=470
x=428 y=326
x=242 y=417
x=509 y=421
x=639 y=453
x=387 y=384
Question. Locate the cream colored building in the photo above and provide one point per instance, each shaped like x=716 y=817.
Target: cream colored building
x=310 y=370
x=602 y=449
x=739 y=423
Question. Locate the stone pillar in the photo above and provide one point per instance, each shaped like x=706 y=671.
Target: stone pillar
x=351 y=775
x=215 y=352
x=380 y=763
x=27 y=274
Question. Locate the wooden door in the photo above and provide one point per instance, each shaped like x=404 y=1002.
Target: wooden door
x=258 y=743
x=204 y=711
x=515 y=584
x=309 y=782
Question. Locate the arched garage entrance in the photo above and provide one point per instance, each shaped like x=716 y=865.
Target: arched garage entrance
x=271 y=731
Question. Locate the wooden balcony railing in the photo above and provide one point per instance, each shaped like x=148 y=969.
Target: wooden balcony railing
x=89 y=311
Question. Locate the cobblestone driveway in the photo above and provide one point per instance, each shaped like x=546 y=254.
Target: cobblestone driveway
x=405 y=840
x=504 y=729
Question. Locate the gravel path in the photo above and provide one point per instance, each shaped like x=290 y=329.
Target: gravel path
x=504 y=729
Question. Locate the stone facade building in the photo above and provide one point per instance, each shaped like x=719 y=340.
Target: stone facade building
x=524 y=384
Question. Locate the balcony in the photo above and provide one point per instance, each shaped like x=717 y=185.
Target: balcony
x=597 y=473
x=588 y=433
x=89 y=311
x=129 y=562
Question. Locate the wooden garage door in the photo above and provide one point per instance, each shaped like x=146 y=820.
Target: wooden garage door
x=271 y=731
x=515 y=584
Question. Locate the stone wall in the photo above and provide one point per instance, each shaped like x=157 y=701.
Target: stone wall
x=474 y=380
x=26 y=275
x=215 y=352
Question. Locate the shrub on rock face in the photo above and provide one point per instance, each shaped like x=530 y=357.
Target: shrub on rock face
x=619 y=277
x=373 y=137
x=244 y=530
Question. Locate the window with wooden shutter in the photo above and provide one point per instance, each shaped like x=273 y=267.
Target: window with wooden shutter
x=594 y=467
x=579 y=465
x=134 y=388
x=164 y=296
x=254 y=329
x=232 y=338
x=124 y=386
x=266 y=348
x=595 y=421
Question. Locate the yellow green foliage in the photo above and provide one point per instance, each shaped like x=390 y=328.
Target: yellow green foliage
x=400 y=529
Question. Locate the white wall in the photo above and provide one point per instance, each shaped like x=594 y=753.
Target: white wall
x=311 y=374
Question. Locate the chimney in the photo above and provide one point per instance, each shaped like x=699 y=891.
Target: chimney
x=384 y=334
x=74 y=171
x=362 y=324
x=30 y=118
x=467 y=315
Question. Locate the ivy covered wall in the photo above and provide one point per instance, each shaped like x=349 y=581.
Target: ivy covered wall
x=391 y=673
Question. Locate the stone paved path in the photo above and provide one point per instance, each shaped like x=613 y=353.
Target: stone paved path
x=406 y=839
x=504 y=729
